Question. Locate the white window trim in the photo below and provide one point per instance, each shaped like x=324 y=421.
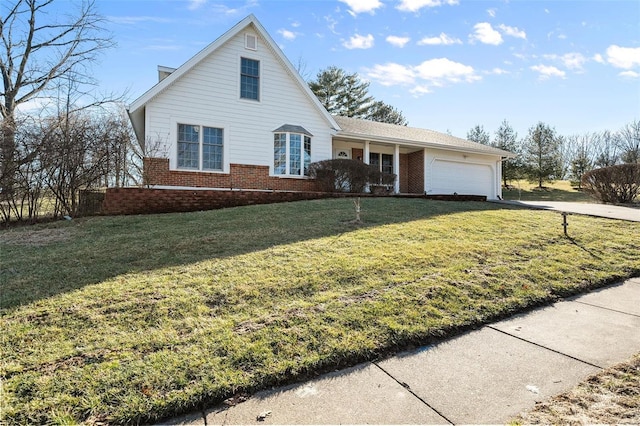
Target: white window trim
x=173 y=137
x=239 y=75
x=287 y=164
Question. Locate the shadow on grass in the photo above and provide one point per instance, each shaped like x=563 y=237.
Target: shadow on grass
x=577 y=244
x=49 y=259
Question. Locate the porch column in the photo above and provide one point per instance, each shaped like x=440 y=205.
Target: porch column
x=366 y=152
x=499 y=179
x=396 y=168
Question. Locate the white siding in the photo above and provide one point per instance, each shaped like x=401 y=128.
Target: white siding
x=471 y=174
x=209 y=94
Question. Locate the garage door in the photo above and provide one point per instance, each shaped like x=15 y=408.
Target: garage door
x=448 y=177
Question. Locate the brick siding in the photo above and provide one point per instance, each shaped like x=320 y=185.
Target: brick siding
x=240 y=176
x=415 y=173
x=404 y=173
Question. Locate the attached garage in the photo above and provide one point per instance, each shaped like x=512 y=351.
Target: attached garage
x=426 y=161
x=450 y=177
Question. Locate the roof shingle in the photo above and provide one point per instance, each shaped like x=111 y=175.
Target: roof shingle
x=381 y=132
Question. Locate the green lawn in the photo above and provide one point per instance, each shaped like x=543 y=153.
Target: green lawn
x=132 y=319
x=554 y=191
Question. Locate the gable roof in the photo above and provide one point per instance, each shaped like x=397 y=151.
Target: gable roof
x=355 y=128
x=136 y=109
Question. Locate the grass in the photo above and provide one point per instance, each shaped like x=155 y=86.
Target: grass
x=133 y=319
x=561 y=190
x=609 y=397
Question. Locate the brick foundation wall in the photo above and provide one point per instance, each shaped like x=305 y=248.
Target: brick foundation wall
x=415 y=172
x=240 y=176
x=123 y=201
x=119 y=201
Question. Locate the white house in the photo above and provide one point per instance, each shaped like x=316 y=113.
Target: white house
x=238 y=115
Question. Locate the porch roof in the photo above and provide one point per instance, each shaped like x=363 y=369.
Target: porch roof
x=355 y=128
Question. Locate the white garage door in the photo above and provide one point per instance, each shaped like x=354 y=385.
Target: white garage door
x=462 y=178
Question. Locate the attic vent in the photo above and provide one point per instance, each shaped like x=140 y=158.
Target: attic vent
x=250 y=42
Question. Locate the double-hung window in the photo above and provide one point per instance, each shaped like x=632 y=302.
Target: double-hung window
x=384 y=162
x=249 y=79
x=291 y=154
x=200 y=147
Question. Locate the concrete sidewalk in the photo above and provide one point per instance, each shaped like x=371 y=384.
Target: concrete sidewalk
x=590 y=209
x=484 y=376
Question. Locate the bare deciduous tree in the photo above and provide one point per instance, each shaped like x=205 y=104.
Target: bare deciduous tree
x=607 y=149
x=629 y=142
x=36 y=51
x=580 y=150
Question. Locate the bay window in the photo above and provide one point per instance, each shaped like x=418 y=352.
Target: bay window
x=291 y=154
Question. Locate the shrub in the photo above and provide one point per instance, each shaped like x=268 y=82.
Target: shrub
x=614 y=184
x=341 y=175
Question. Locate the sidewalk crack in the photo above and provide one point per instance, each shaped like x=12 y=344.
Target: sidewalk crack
x=408 y=388
x=544 y=347
x=604 y=307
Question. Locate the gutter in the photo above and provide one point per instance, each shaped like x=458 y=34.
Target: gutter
x=360 y=137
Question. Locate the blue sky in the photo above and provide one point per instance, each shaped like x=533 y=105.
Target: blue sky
x=446 y=64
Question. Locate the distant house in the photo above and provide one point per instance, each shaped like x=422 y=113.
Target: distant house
x=238 y=115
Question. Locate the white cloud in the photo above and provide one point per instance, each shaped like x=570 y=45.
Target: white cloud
x=331 y=23
x=295 y=24
x=362 y=6
x=548 y=71
x=441 y=39
x=598 y=58
x=484 y=33
x=415 y=5
x=423 y=77
x=392 y=74
x=629 y=74
x=438 y=71
x=623 y=57
x=497 y=71
x=286 y=34
x=221 y=9
x=491 y=12
x=359 y=42
x=196 y=4
x=398 y=41
x=572 y=61
x=513 y=31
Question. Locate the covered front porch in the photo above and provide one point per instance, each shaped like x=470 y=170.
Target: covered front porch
x=406 y=162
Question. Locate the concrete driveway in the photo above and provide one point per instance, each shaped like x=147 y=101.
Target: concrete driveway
x=599 y=210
